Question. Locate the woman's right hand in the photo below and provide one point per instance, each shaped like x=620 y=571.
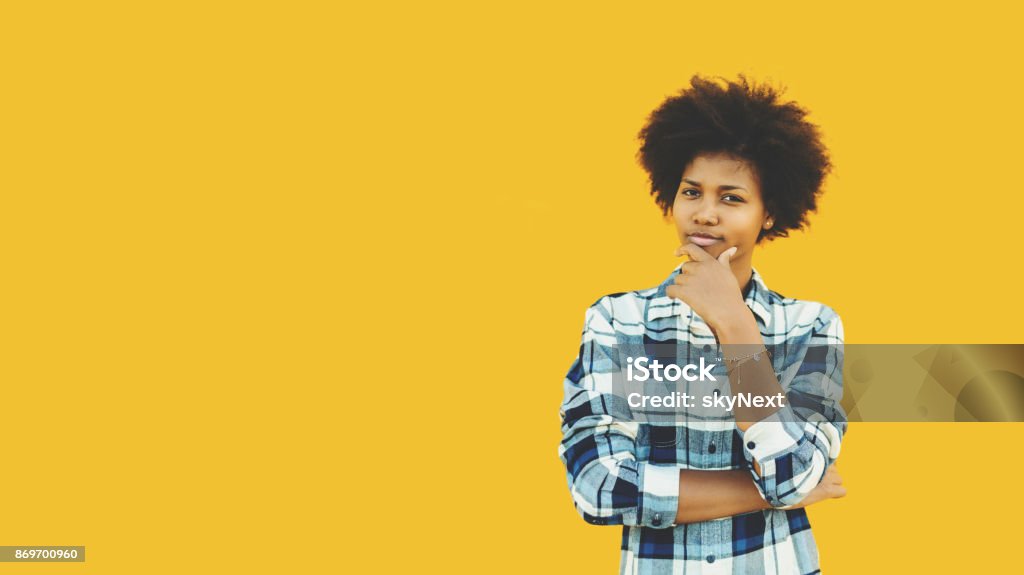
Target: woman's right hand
x=831 y=487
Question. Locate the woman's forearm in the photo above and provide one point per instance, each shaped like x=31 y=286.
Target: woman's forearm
x=705 y=495
x=740 y=337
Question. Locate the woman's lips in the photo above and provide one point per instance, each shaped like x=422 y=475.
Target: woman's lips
x=704 y=241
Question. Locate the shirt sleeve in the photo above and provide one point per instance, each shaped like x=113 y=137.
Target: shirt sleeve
x=795 y=445
x=608 y=485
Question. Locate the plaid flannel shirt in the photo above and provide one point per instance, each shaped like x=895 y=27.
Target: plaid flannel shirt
x=625 y=472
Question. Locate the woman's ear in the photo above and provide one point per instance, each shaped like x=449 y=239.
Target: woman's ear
x=768 y=223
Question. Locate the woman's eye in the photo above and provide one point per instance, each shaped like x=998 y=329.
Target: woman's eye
x=732 y=198
x=687 y=191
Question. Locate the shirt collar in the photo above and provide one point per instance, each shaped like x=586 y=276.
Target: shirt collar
x=757 y=299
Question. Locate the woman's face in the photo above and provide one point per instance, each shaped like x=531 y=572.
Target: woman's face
x=720 y=196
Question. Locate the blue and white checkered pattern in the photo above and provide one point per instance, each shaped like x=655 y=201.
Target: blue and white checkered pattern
x=624 y=472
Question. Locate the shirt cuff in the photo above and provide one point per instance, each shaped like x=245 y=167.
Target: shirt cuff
x=773 y=436
x=659 y=492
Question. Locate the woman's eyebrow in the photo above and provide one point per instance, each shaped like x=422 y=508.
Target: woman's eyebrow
x=726 y=187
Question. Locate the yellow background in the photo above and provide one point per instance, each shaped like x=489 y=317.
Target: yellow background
x=231 y=229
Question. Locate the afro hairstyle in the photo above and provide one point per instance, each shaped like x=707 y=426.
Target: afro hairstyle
x=747 y=121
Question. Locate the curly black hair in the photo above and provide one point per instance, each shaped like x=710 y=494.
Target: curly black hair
x=745 y=120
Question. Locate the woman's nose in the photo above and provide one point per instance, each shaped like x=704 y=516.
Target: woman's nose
x=706 y=216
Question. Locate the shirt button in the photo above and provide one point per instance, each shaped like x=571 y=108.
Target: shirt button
x=711 y=448
x=656 y=520
x=711 y=558
x=751 y=445
x=707 y=347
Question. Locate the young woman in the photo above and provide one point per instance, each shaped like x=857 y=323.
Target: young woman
x=733 y=166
